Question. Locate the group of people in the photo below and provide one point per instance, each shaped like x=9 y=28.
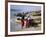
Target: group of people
x=26 y=22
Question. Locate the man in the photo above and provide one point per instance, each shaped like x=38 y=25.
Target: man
x=22 y=20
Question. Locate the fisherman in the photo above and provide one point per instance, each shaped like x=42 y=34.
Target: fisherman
x=25 y=23
x=22 y=20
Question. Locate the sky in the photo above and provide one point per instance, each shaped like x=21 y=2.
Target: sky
x=23 y=8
